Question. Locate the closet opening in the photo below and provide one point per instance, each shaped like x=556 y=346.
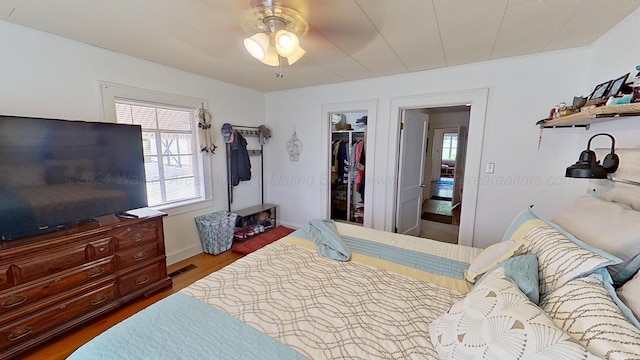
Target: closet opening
x=348 y=163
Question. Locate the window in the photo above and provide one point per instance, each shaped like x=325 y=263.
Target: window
x=449 y=146
x=169 y=142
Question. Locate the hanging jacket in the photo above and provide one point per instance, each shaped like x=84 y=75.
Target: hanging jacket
x=240 y=163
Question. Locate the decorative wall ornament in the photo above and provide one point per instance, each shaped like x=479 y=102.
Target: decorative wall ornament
x=206 y=138
x=294 y=146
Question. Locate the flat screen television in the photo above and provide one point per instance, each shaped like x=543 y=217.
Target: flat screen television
x=59 y=173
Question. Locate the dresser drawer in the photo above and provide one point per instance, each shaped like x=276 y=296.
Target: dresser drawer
x=134 y=235
x=100 y=248
x=5 y=278
x=24 y=297
x=137 y=255
x=23 y=329
x=48 y=264
x=142 y=278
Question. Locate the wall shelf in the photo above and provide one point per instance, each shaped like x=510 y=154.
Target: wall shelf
x=592 y=116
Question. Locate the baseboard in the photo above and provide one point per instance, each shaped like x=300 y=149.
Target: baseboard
x=183 y=254
x=290 y=226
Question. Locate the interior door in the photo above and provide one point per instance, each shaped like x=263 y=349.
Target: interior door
x=413 y=142
x=461 y=155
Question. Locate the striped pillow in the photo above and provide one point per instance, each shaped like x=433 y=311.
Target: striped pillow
x=584 y=308
x=560 y=259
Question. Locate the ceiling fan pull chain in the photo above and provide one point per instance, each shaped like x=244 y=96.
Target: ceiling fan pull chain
x=280 y=74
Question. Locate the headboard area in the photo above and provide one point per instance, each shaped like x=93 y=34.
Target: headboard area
x=625 y=187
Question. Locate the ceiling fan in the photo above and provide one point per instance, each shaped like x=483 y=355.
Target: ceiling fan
x=277 y=28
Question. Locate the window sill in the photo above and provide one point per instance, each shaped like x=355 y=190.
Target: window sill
x=184 y=206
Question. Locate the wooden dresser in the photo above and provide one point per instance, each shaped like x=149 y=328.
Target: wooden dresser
x=53 y=282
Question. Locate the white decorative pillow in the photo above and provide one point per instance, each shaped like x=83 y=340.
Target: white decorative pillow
x=492 y=256
x=584 y=309
x=560 y=259
x=629 y=293
x=496 y=321
x=584 y=218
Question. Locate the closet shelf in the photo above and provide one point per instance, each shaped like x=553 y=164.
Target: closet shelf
x=592 y=116
x=347 y=131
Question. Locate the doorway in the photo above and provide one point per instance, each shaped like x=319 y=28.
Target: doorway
x=444 y=174
x=348 y=162
x=441 y=167
x=354 y=110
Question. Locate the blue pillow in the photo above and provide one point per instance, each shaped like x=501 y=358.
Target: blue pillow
x=520 y=219
x=523 y=270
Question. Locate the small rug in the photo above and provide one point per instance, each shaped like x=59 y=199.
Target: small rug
x=444 y=219
x=262 y=240
x=445 y=181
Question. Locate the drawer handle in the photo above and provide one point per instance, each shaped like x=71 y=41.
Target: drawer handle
x=96 y=271
x=100 y=298
x=14 y=300
x=137 y=237
x=140 y=255
x=20 y=333
x=142 y=279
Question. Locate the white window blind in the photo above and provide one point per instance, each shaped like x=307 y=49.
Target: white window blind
x=170 y=149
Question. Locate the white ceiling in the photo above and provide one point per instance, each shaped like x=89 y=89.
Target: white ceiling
x=347 y=39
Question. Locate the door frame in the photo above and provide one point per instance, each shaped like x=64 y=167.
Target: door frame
x=477 y=98
x=400 y=199
x=369 y=106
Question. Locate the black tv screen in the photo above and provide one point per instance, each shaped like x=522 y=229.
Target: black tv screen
x=58 y=173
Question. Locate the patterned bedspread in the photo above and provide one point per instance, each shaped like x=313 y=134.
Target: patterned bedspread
x=377 y=306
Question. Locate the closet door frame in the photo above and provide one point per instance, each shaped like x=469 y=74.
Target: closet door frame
x=370 y=107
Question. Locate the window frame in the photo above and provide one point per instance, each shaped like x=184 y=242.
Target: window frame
x=449 y=148
x=112 y=93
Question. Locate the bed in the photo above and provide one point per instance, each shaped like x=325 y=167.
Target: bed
x=541 y=293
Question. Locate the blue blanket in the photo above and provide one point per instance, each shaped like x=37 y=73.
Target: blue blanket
x=181 y=327
x=327 y=241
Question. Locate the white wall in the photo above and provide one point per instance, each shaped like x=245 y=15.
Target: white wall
x=521 y=91
x=49 y=76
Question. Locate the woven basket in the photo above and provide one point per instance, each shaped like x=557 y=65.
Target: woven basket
x=216 y=231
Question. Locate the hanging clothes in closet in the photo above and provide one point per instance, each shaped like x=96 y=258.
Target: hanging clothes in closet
x=360 y=160
x=341 y=161
x=347 y=176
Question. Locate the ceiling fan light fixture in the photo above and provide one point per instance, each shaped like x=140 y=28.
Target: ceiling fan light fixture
x=257 y=45
x=277 y=29
x=287 y=43
x=296 y=56
x=271 y=57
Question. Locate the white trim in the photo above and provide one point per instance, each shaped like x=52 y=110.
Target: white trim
x=184 y=253
x=185 y=206
x=368 y=106
x=478 y=100
x=111 y=92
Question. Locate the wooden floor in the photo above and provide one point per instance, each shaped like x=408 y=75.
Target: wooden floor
x=62 y=347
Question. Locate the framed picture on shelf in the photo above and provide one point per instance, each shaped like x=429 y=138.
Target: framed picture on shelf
x=600 y=90
x=616 y=85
